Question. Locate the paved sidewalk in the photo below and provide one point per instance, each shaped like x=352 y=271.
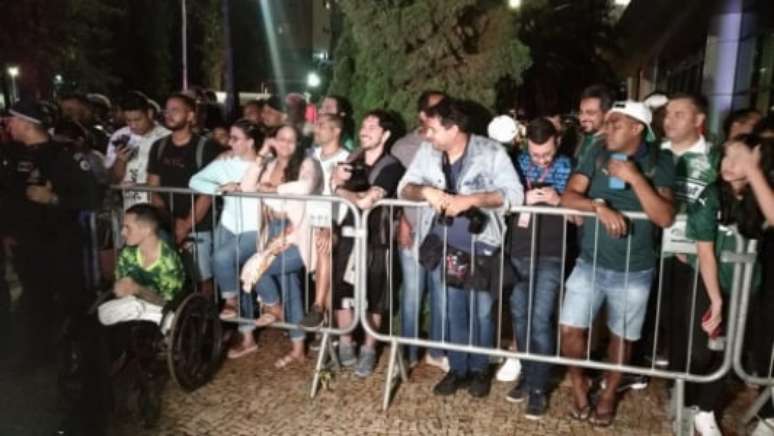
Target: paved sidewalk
x=249 y=397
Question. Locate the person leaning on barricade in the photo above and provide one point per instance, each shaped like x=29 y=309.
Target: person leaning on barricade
x=173 y=160
x=237 y=233
x=696 y=169
x=367 y=177
x=149 y=272
x=414 y=275
x=329 y=152
x=284 y=249
x=470 y=184
x=538 y=268
x=747 y=201
x=628 y=174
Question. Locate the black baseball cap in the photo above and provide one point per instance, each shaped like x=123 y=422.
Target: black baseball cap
x=30 y=111
x=276 y=103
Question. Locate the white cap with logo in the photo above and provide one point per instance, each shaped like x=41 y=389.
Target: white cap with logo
x=638 y=111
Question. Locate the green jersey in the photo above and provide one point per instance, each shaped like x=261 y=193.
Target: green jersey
x=165 y=276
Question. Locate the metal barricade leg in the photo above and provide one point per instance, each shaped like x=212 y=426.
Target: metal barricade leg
x=393 y=377
x=326 y=358
x=679 y=393
x=755 y=408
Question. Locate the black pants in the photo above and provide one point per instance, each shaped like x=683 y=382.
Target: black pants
x=760 y=328
x=707 y=396
x=51 y=276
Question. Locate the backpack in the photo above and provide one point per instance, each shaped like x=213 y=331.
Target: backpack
x=199 y=150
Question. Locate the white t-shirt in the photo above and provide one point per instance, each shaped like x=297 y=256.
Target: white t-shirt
x=137 y=167
x=320 y=213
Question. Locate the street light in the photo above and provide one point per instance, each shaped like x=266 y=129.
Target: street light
x=514 y=4
x=313 y=80
x=13 y=73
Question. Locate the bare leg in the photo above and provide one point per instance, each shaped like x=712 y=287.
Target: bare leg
x=618 y=352
x=574 y=346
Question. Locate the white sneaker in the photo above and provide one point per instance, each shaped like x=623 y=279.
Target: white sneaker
x=765 y=427
x=441 y=363
x=509 y=371
x=706 y=425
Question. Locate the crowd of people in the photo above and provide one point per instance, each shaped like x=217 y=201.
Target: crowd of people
x=653 y=157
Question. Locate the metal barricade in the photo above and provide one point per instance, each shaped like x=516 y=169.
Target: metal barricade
x=765 y=380
x=283 y=206
x=396 y=370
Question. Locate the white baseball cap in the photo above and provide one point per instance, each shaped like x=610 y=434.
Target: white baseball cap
x=638 y=111
x=503 y=129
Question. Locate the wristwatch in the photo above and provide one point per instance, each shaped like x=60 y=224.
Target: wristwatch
x=598 y=202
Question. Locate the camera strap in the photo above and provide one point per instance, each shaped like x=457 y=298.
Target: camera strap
x=446 y=167
x=543 y=175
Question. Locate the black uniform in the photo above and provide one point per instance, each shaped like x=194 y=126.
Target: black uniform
x=49 y=249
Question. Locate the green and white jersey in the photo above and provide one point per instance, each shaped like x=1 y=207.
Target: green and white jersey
x=164 y=276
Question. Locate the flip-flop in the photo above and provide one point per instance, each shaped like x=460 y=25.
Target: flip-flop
x=287 y=360
x=265 y=319
x=580 y=414
x=602 y=420
x=236 y=353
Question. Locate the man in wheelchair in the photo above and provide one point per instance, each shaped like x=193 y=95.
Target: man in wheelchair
x=149 y=272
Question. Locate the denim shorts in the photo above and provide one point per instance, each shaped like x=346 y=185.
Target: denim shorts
x=626 y=298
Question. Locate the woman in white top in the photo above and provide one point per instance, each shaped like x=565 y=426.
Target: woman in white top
x=237 y=231
x=289 y=251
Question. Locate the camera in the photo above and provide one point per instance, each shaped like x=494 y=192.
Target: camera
x=477 y=220
x=358 y=182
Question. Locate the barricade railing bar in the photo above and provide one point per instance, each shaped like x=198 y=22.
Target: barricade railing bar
x=394 y=336
x=282 y=206
x=396 y=366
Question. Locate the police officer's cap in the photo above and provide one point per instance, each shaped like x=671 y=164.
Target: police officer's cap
x=31 y=111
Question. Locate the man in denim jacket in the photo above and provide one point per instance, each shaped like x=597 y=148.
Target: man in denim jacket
x=481 y=181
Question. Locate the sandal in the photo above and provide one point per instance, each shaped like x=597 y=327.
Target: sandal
x=239 y=351
x=580 y=413
x=265 y=319
x=602 y=420
x=287 y=360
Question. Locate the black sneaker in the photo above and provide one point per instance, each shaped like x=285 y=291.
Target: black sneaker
x=537 y=404
x=314 y=318
x=480 y=384
x=517 y=394
x=449 y=384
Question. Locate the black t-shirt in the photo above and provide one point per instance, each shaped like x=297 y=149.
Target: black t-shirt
x=175 y=165
x=385 y=173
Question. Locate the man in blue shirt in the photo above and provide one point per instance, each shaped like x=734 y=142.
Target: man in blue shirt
x=470 y=184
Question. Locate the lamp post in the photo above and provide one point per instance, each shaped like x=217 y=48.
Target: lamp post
x=13 y=73
x=184 y=31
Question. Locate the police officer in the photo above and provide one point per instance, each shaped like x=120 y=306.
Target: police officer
x=47 y=187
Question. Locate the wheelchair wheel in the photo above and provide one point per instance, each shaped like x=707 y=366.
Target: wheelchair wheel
x=195 y=342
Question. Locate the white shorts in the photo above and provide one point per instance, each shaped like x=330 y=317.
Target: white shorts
x=130 y=308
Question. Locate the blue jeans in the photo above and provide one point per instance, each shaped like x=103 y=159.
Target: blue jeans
x=469 y=317
x=542 y=301
x=414 y=282
x=231 y=252
x=281 y=283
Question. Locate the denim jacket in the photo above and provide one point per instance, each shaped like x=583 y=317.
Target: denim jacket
x=487 y=168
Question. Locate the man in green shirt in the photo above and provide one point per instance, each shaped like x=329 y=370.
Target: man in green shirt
x=149 y=272
x=618 y=255
x=696 y=169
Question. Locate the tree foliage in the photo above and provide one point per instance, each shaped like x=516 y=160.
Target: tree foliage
x=392 y=50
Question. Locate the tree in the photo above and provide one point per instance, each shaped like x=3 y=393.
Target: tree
x=571 y=41
x=392 y=50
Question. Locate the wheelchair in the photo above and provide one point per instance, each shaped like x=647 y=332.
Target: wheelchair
x=135 y=359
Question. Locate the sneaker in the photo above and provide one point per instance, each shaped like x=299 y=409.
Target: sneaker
x=347 y=356
x=366 y=362
x=441 y=363
x=537 y=404
x=480 y=384
x=706 y=425
x=509 y=371
x=765 y=427
x=517 y=394
x=313 y=319
x=634 y=382
x=449 y=384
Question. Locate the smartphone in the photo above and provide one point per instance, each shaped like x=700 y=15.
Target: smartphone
x=615 y=182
